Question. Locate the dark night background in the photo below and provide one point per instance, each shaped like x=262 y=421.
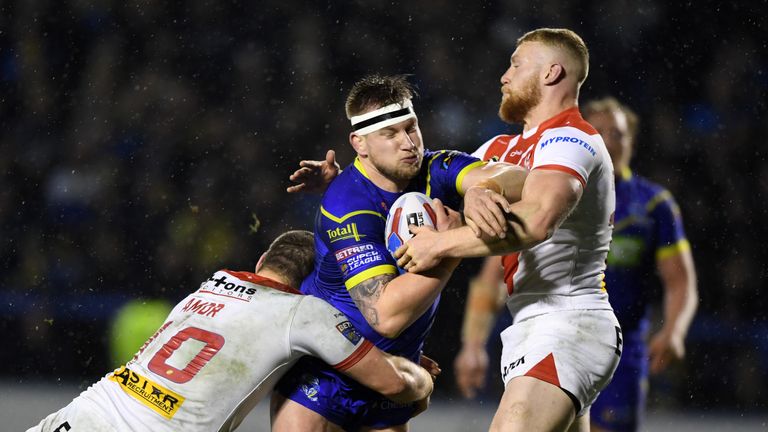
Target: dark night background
x=138 y=141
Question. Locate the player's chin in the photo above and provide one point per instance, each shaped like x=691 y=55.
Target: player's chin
x=409 y=170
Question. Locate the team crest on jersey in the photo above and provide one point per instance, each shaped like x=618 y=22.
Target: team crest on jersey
x=448 y=159
x=349 y=331
x=152 y=395
x=310 y=386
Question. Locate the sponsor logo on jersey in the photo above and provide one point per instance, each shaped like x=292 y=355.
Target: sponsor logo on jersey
x=202 y=307
x=310 y=386
x=147 y=392
x=348 y=231
x=508 y=368
x=353 y=250
x=223 y=286
x=574 y=140
x=353 y=261
x=349 y=331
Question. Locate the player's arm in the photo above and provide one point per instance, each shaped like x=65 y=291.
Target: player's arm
x=391 y=303
x=488 y=192
x=674 y=263
x=320 y=330
x=484 y=300
x=548 y=197
x=315 y=176
x=395 y=377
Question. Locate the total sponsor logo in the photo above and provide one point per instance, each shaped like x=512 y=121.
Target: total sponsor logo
x=348 y=231
x=574 y=140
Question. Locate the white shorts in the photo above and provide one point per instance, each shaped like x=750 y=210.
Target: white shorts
x=79 y=415
x=576 y=350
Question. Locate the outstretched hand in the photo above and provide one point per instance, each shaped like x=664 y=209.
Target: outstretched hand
x=314 y=176
x=484 y=210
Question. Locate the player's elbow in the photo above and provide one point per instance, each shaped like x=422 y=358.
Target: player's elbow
x=390 y=328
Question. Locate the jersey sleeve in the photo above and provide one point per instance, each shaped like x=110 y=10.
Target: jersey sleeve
x=446 y=170
x=569 y=150
x=670 y=235
x=320 y=330
x=356 y=241
x=483 y=149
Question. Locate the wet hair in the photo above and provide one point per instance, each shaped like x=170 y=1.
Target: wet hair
x=610 y=104
x=292 y=255
x=376 y=91
x=564 y=39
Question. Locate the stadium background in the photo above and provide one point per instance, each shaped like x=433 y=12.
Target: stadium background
x=140 y=141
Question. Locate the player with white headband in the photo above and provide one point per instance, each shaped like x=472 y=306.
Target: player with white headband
x=357 y=274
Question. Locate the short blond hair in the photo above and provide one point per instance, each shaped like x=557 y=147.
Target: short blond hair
x=564 y=39
x=610 y=104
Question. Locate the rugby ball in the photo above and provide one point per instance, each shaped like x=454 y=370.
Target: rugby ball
x=412 y=208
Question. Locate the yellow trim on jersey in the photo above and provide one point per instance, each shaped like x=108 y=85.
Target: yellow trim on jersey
x=673 y=249
x=336 y=219
x=150 y=394
x=359 y=166
x=657 y=199
x=428 y=191
x=367 y=274
x=464 y=171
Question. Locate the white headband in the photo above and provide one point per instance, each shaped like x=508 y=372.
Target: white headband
x=385 y=116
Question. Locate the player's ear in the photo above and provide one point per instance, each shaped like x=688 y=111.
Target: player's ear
x=260 y=264
x=554 y=74
x=358 y=143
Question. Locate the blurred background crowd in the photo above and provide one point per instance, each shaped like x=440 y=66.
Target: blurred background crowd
x=143 y=145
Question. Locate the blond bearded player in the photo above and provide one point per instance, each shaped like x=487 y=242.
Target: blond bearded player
x=222 y=349
x=565 y=342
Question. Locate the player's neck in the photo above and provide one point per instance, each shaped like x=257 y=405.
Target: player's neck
x=269 y=274
x=546 y=109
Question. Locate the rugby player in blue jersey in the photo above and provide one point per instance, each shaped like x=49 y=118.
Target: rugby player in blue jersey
x=357 y=274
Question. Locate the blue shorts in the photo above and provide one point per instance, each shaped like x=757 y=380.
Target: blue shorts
x=340 y=399
x=621 y=405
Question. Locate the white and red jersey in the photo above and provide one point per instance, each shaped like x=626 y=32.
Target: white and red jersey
x=566 y=271
x=220 y=351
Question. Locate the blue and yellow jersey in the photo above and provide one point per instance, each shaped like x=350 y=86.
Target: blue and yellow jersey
x=647 y=227
x=349 y=239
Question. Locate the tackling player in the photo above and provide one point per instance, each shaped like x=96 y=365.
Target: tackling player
x=648 y=236
x=222 y=349
x=355 y=272
x=565 y=342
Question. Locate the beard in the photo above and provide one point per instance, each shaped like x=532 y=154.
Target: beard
x=400 y=171
x=515 y=106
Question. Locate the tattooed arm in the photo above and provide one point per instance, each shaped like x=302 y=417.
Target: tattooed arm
x=391 y=303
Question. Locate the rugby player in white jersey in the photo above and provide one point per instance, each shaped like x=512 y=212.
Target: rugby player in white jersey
x=565 y=342
x=222 y=349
